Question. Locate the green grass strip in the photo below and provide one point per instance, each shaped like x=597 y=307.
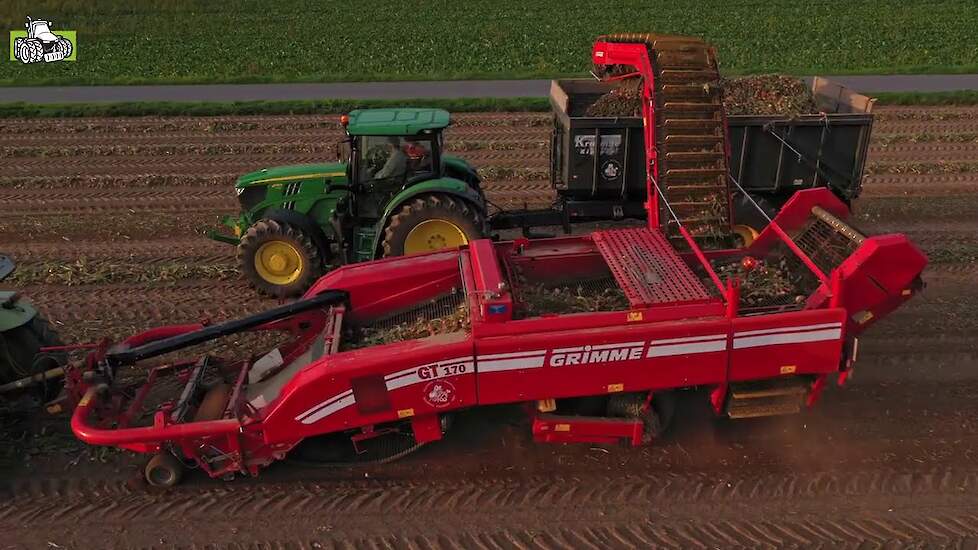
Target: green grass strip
x=958 y=97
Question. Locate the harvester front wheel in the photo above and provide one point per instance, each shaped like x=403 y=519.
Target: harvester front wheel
x=431 y=222
x=280 y=259
x=163 y=470
x=657 y=419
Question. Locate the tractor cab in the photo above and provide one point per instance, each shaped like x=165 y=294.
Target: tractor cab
x=391 y=150
x=41 y=30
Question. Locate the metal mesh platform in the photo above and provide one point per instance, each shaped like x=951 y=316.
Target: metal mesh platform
x=648 y=269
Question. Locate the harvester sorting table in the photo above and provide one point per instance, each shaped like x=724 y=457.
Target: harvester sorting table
x=667 y=321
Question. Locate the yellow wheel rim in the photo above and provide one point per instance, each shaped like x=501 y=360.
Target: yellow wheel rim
x=434 y=235
x=746 y=233
x=278 y=262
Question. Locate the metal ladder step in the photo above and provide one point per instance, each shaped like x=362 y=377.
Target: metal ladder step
x=692 y=139
x=691 y=125
x=704 y=157
x=694 y=172
x=681 y=91
x=768 y=392
x=757 y=410
x=689 y=57
x=767 y=397
x=682 y=76
x=690 y=106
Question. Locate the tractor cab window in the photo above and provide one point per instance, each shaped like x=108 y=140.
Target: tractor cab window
x=395 y=158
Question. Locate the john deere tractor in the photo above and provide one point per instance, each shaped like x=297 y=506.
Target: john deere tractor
x=23 y=332
x=394 y=193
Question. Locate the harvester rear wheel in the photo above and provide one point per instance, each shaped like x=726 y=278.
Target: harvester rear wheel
x=163 y=470
x=431 y=222
x=279 y=259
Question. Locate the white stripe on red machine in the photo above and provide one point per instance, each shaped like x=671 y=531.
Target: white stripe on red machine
x=787 y=335
x=583 y=355
x=684 y=346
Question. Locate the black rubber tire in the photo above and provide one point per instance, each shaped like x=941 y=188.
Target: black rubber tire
x=37 y=51
x=163 y=470
x=427 y=207
x=264 y=231
x=657 y=420
x=21 y=350
x=65 y=45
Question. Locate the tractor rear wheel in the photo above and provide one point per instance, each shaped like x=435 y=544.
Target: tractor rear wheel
x=431 y=222
x=31 y=51
x=279 y=259
x=20 y=350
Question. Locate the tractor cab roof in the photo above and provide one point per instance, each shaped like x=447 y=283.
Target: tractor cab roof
x=396 y=122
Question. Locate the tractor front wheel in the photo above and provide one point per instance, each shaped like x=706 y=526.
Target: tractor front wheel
x=279 y=259
x=64 y=45
x=431 y=222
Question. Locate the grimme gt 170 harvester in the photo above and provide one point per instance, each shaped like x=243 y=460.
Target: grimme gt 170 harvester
x=668 y=321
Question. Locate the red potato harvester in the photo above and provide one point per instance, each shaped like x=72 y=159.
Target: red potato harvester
x=676 y=324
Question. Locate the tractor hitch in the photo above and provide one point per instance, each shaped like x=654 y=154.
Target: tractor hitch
x=235 y=224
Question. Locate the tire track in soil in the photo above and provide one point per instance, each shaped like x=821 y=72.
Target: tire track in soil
x=256 y=137
x=176 y=301
x=925 y=152
x=858 y=507
x=398 y=511
x=203 y=198
x=223 y=164
x=906 y=185
x=145 y=252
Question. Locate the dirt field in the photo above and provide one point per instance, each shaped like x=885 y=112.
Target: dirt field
x=104 y=218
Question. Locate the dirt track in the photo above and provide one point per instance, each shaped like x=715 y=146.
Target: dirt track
x=887 y=461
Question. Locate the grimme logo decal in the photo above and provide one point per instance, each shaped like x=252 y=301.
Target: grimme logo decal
x=625 y=351
x=39 y=43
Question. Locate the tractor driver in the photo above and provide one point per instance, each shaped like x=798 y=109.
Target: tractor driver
x=396 y=164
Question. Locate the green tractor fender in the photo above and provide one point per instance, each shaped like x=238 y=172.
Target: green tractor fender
x=448 y=186
x=14 y=312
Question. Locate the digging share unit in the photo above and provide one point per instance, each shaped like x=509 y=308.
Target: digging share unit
x=593 y=333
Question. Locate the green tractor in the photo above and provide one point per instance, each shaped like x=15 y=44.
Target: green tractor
x=23 y=334
x=396 y=193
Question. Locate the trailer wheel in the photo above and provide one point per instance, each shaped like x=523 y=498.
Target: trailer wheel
x=163 y=470
x=431 y=222
x=278 y=258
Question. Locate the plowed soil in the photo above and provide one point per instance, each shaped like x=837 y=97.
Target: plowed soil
x=888 y=461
